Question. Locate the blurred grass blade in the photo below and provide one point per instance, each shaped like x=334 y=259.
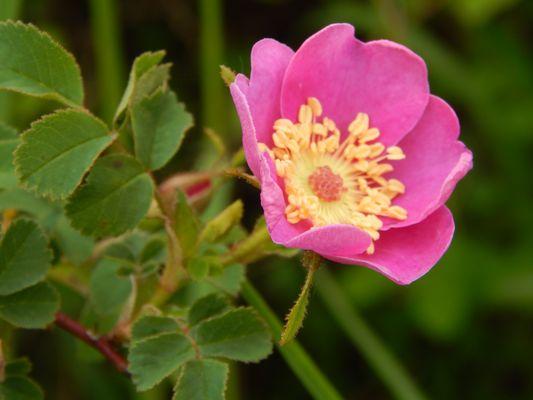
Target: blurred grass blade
x=372 y=348
x=108 y=53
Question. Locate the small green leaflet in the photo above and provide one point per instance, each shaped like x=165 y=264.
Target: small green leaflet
x=32 y=63
x=237 y=335
x=151 y=326
x=153 y=359
x=115 y=198
x=58 y=150
x=219 y=225
x=109 y=291
x=295 y=319
x=24 y=257
x=9 y=140
x=186 y=224
x=159 y=124
x=20 y=388
x=16 y=385
x=202 y=380
x=31 y=308
x=207 y=307
x=141 y=64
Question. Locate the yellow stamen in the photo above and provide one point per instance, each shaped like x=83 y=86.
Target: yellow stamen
x=329 y=182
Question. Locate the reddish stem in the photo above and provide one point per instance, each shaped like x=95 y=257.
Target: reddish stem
x=101 y=344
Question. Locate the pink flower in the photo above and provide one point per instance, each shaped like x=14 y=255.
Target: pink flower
x=355 y=157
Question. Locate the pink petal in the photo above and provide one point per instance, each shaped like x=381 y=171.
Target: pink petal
x=258 y=101
x=405 y=254
x=381 y=78
x=435 y=161
x=341 y=240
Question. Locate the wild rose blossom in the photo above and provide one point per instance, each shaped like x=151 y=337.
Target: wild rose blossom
x=355 y=157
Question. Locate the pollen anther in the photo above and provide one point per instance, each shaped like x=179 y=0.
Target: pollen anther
x=332 y=182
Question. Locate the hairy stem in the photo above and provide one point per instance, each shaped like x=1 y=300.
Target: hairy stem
x=294 y=354
x=101 y=344
x=371 y=347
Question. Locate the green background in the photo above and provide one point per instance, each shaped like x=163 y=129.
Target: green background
x=463 y=331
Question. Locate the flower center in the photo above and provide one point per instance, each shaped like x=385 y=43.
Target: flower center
x=325 y=184
x=332 y=182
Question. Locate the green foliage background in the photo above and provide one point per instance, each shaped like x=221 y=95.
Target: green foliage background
x=464 y=330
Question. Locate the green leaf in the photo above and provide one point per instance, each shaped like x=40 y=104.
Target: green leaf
x=140 y=66
x=154 y=79
x=198 y=267
x=222 y=222
x=202 y=380
x=32 y=63
x=20 y=388
x=24 y=257
x=207 y=307
x=159 y=124
x=237 y=335
x=58 y=150
x=9 y=141
x=296 y=316
x=31 y=308
x=74 y=246
x=229 y=279
x=116 y=197
x=153 y=359
x=186 y=225
x=150 y=326
x=109 y=290
x=18 y=367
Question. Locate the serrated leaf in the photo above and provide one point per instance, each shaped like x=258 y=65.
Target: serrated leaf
x=152 y=80
x=58 y=150
x=186 y=224
x=219 y=225
x=153 y=359
x=207 y=307
x=150 y=326
x=32 y=63
x=159 y=124
x=24 y=257
x=140 y=66
x=229 y=279
x=31 y=308
x=20 y=388
x=9 y=141
x=237 y=335
x=109 y=290
x=202 y=380
x=116 y=197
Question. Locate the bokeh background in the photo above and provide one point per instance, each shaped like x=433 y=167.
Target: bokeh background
x=465 y=331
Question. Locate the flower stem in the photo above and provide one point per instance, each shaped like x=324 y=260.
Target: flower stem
x=372 y=348
x=101 y=344
x=299 y=361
